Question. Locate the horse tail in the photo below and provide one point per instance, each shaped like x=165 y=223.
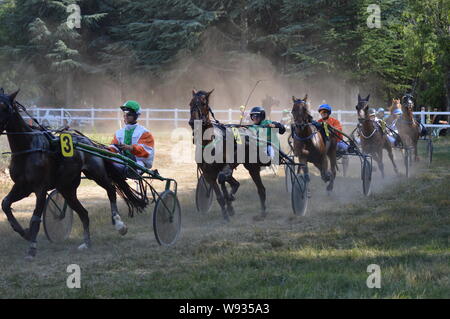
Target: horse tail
x=135 y=201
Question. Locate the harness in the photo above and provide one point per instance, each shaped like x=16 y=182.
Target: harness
x=373 y=132
x=299 y=138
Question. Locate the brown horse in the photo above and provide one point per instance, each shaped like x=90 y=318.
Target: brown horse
x=408 y=127
x=221 y=171
x=373 y=140
x=309 y=143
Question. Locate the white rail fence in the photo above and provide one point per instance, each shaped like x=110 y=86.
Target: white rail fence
x=92 y=116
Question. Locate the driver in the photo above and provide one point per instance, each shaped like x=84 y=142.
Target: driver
x=258 y=117
x=134 y=140
x=325 y=111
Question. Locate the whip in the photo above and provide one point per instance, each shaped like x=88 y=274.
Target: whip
x=243 y=107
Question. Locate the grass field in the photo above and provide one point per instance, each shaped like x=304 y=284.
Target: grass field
x=404 y=227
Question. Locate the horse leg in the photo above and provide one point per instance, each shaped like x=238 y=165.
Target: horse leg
x=103 y=181
x=255 y=173
x=388 y=147
x=220 y=200
x=332 y=158
x=324 y=172
x=416 y=155
x=35 y=223
x=226 y=175
x=17 y=193
x=70 y=195
x=234 y=187
x=228 y=199
x=378 y=157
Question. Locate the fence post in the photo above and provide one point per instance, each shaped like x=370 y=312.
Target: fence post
x=339 y=116
x=62 y=118
x=176 y=118
x=92 y=117
x=422 y=117
x=230 y=115
x=147 y=117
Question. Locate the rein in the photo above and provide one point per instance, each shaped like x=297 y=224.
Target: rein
x=26 y=151
x=21 y=133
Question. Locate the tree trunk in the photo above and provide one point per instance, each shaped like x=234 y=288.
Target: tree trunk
x=447 y=91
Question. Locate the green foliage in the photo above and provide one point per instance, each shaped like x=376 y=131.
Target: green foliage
x=126 y=40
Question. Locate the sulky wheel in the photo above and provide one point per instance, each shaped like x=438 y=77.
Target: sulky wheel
x=299 y=195
x=57 y=218
x=288 y=171
x=345 y=161
x=366 y=175
x=203 y=195
x=167 y=218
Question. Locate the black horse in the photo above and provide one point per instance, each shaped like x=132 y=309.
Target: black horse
x=38 y=166
x=200 y=111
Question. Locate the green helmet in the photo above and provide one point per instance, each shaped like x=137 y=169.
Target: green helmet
x=132 y=105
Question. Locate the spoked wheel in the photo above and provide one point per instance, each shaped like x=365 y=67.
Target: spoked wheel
x=203 y=195
x=345 y=162
x=57 y=218
x=299 y=195
x=167 y=218
x=288 y=171
x=366 y=175
x=430 y=151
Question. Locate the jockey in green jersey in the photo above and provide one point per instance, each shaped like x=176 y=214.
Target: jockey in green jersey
x=261 y=126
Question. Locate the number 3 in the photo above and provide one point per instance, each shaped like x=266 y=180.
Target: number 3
x=66 y=145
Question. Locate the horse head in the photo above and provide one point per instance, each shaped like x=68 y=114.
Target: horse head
x=7 y=108
x=362 y=107
x=200 y=107
x=300 y=110
x=407 y=103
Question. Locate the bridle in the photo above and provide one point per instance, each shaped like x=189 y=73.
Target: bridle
x=361 y=120
x=302 y=125
x=407 y=104
x=196 y=106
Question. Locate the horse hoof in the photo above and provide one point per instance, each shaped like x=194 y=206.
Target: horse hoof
x=123 y=231
x=230 y=211
x=83 y=246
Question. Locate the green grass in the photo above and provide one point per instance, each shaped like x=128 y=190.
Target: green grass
x=404 y=227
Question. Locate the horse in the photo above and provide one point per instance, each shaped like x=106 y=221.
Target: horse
x=200 y=111
x=396 y=105
x=408 y=128
x=373 y=139
x=310 y=145
x=38 y=166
